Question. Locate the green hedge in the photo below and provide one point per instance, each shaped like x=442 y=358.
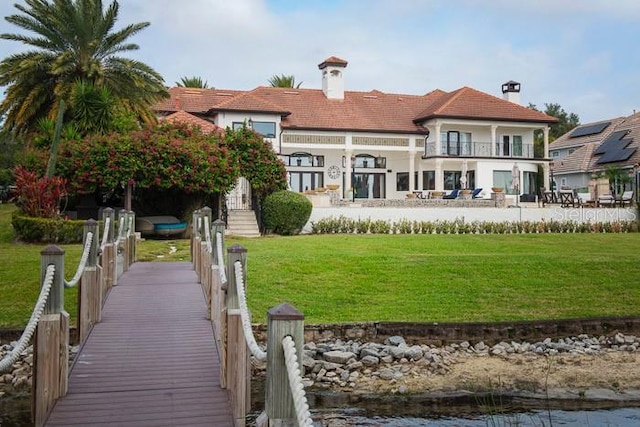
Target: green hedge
x=46 y=230
x=342 y=224
x=286 y=212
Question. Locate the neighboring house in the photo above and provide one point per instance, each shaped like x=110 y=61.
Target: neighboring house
x=382 y=145
x=586 y=151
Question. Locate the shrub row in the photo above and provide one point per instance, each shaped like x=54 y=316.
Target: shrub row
x=342 y=224
x=46 y=230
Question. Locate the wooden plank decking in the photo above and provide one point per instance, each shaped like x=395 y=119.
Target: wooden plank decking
x=152 y=361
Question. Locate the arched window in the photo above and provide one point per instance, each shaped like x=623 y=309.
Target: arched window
x=303 y=159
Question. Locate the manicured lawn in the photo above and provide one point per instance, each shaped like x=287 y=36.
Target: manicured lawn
x=438 y=278
x=421 y=278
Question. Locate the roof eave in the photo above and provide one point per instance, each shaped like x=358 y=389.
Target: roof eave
x=422 y=131
x=501 y=119
x=234 y=110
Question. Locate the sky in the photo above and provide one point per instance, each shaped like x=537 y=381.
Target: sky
x=581 y=54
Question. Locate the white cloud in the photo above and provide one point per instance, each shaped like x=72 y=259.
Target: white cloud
x=575 y=53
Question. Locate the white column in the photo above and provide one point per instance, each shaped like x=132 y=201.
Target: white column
x=349 y=173
x=494 y=129
x=412 y=170
x=546 y=142
x=545 y=176
x=439 y=176
x=438 y=149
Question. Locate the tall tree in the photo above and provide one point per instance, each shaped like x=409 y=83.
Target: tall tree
x=566 y=122
x=194 y=81
x=74 y=41
x=284 y=81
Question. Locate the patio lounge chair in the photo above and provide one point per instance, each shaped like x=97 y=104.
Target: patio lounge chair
x=627 y=198
x=606 y=200
x=476 y=193
x=452 y=195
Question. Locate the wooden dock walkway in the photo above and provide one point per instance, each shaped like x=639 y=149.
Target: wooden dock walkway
x=152 y=360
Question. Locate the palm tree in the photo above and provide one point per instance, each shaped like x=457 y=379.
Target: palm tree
x=284 y=81
x=74 y=44
x=194 y=81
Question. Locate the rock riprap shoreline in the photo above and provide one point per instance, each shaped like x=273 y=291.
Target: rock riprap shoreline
x=604 y=367
x=584 y=366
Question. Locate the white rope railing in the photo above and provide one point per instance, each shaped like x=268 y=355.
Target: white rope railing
x=130 y=226
x=120 y=230
x=295 y=382
x=220 y=256
x=83 y=262
x=105 y=232
x=13 y=356
x=257 y=352
x=207 y=234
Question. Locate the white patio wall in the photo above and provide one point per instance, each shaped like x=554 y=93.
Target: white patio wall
x=523 y=213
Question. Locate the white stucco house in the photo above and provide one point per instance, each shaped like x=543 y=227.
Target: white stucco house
x=382 y=145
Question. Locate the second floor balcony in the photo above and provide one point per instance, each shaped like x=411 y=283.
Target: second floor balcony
x=511 y=149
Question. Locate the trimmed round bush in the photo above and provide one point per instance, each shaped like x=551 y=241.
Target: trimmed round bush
x=286 y=212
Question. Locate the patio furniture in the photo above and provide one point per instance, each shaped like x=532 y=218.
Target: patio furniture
x=161 y=225
x=606 y=200
x=452 y=195
x=548 y=197
x=586 y=200
x=626 y=198
x=568 y=198
x=476 y=193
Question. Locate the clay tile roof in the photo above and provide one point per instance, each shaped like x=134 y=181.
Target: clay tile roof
x=358 y=111
x=184 y=117
x=578 y=161
x=468 y=103
x=193 y=100
x=332 y=60
x=565 y=141
x=249 y=102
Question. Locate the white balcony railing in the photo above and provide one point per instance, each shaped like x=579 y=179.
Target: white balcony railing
x=479 y=149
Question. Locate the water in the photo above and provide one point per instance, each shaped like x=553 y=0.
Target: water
x=620 y=417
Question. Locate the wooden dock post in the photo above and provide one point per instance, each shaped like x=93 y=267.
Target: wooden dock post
x=89 y=290
x=282 y=320
x=51 y=343
x=237 y=358
x=108 y=257
x=205 y=256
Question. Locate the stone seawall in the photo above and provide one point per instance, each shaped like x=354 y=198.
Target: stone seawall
x=451 y=333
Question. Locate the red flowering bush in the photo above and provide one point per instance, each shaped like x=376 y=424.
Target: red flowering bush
x=165 y=156
x=38 y=196
x=258 y=162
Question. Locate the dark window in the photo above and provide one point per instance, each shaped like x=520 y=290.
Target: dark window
x=428 y=180
x=266 y=129
x=303 y=159
x=402 y=181
x=301 y=181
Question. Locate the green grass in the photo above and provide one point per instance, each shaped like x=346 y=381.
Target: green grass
x=438 y=278
x=417 y=278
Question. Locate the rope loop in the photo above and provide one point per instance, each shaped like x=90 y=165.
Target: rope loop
x=207 y=234
x=295 y=382
x=83 y=262
x=13 y=356
x=105 y=233
x=257 y=352
x=220 y=256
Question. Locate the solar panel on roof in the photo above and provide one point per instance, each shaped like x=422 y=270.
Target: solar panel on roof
x=589 y=129
x=613 y=142
x=616 y=155
x=614 y=148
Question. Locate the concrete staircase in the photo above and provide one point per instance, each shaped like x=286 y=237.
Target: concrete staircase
x=242 y=223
